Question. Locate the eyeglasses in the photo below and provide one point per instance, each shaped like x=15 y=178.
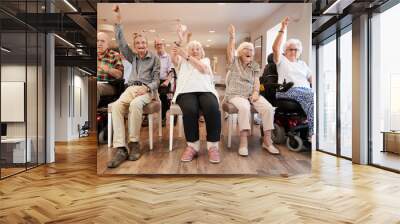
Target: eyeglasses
x=292 y=49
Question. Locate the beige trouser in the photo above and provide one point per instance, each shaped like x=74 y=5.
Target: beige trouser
x=104 y=89
x=262 y=106
x=130 y=102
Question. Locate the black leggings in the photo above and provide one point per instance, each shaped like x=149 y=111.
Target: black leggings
x=191 y=104
x=165 y=102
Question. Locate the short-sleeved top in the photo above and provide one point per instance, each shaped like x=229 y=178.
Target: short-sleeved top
x=110 y=58
x=240 y=80
x=191 y=80
x=297 y=72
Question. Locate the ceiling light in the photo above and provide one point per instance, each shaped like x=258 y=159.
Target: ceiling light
x=221 y=3
x=64 y=40
x=5 y=50
x=70 y=5
x=209 y=40
x=152 y=31
x=211 y=31
x=79 y=50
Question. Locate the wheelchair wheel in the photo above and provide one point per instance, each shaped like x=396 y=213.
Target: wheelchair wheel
x=294 y=143
x=102 y=137
x=278 y=135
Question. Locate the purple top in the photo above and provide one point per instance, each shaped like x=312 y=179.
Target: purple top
x=166 y=65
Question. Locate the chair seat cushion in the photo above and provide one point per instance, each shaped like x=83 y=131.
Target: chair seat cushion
x=231 y=109
x=175 y=110
x=150 y=108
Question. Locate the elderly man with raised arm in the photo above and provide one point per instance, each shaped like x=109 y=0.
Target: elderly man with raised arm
x=142 y=85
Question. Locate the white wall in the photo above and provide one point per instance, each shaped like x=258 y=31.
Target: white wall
x=71 y=87
x=221 y=63
x=299 y=27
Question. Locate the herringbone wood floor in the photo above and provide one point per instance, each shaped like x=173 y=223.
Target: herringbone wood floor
x=70 y=191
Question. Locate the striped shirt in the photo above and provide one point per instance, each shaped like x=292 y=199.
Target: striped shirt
x=110 y=58
x=239 y=80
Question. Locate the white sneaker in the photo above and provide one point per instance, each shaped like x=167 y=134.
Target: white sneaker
x=243 y=151
x=271 y=149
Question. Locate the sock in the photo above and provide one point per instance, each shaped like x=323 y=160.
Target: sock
x=212 y=144
x=195 y=145
x=267 y=137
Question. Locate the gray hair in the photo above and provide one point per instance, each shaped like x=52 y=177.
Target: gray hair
x=295 y=42
x=193 y=44
x=244 y=45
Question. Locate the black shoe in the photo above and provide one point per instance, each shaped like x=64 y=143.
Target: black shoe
x=135 y=152
x=119 y=157
x=164 y=122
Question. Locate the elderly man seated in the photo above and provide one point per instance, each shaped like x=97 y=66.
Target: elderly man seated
x=142 y=84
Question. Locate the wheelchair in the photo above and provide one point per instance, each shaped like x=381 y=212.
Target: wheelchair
x=290 y=121
x=102 y=113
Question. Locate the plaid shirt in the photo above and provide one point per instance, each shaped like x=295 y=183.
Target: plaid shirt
x=110 y=58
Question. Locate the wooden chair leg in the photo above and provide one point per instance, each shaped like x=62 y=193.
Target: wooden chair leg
x=230 y=122
x=171 y=131
x=109 y=129
x=251 y=123
x=159 y=124
x=150 y=118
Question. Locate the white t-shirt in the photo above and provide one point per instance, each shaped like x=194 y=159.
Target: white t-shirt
x=195 y=81
x=297 y=72
x=191 y=80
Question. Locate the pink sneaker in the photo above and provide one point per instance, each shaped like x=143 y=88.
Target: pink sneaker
x=213 y=155
x=188 y=154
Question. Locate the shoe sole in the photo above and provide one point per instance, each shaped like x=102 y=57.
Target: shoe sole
x=265 y=147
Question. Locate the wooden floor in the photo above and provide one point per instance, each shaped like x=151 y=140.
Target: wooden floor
x=387 y=159
x=70 y=191
x=162 y=161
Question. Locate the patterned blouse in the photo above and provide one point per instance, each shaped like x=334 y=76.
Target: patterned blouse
x=113 y=60
x=239 y=80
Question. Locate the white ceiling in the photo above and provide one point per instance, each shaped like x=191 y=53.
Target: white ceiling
x=199 y=17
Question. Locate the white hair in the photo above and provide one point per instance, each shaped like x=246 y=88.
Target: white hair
x=295 y=42
x=193 y=44
x=244 y=45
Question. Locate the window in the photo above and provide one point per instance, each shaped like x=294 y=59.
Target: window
x=346 y=94
x=327 y=97
x=385 y=89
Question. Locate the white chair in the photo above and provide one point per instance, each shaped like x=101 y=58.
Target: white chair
x=231 y=110
x=174 y=110
x=150 y=109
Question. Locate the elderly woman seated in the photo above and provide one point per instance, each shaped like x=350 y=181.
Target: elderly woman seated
x=292 y=69
x=243 y=91
x=195 y=92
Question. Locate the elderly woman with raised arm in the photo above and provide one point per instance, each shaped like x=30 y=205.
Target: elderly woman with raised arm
x=243 y=91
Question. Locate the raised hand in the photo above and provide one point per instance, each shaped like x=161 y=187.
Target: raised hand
x=117 y=13
x=180 y=30
x=231 y=30
x=284 y=23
